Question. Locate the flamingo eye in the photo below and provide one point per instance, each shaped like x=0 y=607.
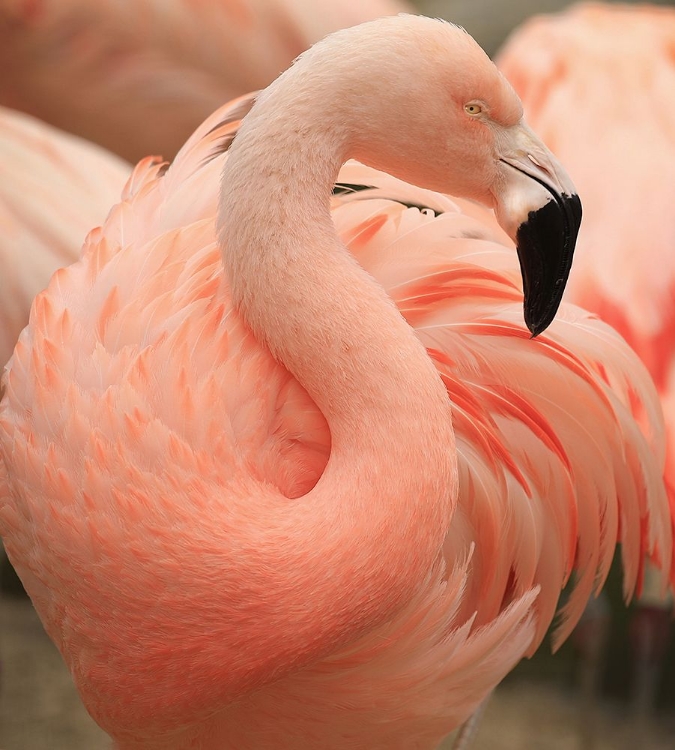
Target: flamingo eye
x=473 y=109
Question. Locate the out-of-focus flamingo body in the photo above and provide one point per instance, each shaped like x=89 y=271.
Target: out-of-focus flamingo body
x=597 y=83
x=163 y=471
x=99 y=69
x=54 y=188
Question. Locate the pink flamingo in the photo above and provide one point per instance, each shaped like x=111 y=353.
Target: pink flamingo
x=232 y=483
x=53 y=189
x=99 y=69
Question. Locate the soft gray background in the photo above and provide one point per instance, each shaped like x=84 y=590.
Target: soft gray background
x=489 y=21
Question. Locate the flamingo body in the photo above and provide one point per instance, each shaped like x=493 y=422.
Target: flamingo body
x=157 y=457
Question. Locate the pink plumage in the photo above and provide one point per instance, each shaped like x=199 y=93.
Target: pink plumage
x=597 y=83
x=53 y=189
x=237 y=498
x=100 y=69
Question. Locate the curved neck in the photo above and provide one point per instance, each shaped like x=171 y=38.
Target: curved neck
x=364 y=539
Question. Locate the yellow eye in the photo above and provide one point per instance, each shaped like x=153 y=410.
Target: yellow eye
x=473 y=109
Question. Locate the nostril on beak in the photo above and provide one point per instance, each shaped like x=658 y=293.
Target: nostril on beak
x=537 y=163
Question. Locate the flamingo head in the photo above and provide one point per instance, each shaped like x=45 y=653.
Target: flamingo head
x=457 y=127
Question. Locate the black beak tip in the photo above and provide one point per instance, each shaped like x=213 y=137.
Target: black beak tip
x=537 y=327
x=545 y=243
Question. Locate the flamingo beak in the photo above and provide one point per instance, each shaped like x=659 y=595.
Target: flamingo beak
x=538 y=207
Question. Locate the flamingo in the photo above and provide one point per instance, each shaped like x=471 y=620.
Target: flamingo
x=99 y=69
x=281 y=465
x=601 y=67
x=53 y=188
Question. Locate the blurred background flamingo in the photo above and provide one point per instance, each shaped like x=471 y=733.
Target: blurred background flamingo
x=137 y=76
x=54 y=188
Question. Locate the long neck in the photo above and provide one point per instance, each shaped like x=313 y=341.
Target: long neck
x=374 y=524
x=297 y=579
